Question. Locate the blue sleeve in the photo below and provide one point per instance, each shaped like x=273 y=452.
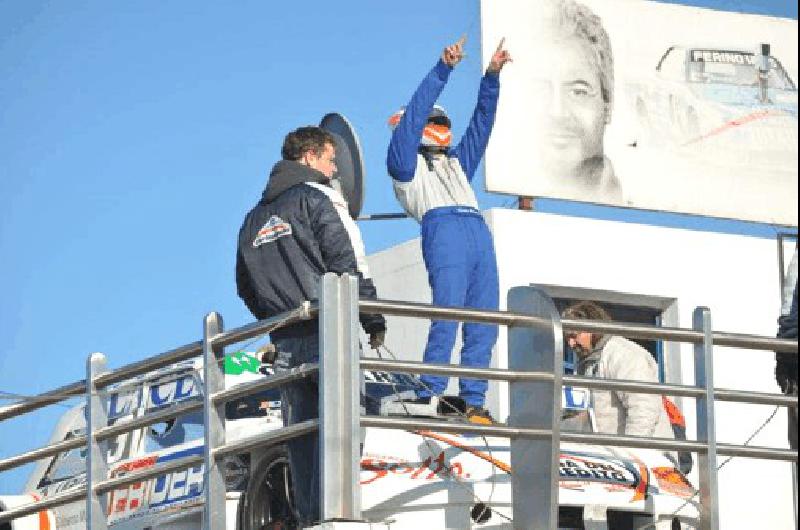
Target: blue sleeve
x=473 y=144
x=401 y=160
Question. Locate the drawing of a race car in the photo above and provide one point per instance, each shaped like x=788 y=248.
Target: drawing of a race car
x=711 y=98
x=409 y=479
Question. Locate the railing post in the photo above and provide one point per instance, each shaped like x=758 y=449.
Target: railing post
x=96 y=464
x=706 y=430
x=339 y=427
x=214 y=425
x=535 y=404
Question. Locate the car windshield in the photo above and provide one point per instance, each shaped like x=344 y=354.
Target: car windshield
x=186 y=428
x=734 y=68
x=68 y=464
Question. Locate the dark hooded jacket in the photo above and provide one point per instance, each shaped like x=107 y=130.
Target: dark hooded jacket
x=293 y=236
x=786 y=367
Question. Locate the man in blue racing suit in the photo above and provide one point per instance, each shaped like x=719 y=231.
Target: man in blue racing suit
x=432 y=182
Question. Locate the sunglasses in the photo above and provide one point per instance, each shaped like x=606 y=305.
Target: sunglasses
x=440 y=120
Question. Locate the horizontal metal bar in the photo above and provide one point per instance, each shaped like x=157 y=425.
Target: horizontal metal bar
x=259 y=385
x=763 y=453
x=44 y=504
x=179 y=409
x=105 y=486
x=613 y=440
x=421 y=424
x=460 y=314
x=102 y=434
x=273 y=437
x=155 y=362
x=719 y=338
x=754 y=398
x=149 y=364
x=305 y=312
x=416 y=367
x=639 y=442
x=415 y=424
x=411 y=424
x=145 y=474
x=42 y=452
x=405 y=367
x=42 y=400
x=639 y=387
x=643 y=387
x=754 y=342
x=641 y=331
x=155 y=417
x=401 y=309
x=637 y=331
x=663 y=444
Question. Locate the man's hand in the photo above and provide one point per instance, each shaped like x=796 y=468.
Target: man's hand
x=376 y=339
x=499 y=59
x=453 y=54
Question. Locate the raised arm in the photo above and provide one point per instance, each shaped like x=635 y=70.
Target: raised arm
x=473 y=144
x=401 y=159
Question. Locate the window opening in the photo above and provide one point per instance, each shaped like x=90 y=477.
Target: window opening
x=621 y=313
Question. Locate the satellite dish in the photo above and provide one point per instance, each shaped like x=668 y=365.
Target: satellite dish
x=349 y=176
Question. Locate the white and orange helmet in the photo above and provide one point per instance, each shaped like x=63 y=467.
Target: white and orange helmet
x=436 y=132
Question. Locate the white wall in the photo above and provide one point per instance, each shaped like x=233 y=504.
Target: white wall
x=735 y=276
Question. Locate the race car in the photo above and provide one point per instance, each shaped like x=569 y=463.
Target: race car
x=409 y=479
x=709 y=98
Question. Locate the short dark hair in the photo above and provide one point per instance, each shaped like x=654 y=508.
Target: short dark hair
x=587 y=310
x=305 y=139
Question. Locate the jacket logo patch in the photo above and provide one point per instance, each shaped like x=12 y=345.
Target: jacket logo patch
x=272 y=230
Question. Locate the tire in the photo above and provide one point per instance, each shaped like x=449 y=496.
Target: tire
x=266 y=505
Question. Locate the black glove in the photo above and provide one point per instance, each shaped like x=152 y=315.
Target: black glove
x=786 y=371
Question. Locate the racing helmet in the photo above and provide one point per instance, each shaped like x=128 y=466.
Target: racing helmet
x=436 y=133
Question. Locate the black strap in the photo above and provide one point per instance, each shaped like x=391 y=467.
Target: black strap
x=428 y=152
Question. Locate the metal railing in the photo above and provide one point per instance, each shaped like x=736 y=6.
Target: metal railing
x=215 y=396
x=535 y=357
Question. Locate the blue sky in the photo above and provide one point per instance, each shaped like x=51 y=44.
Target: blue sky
x=136 y=135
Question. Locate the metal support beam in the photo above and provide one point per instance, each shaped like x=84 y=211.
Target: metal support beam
x=536 y=405
x=96 y=464
x=214 y=424
x=706 y=430
x=339 y=435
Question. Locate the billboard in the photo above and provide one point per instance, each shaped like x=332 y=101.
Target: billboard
x=646 y=105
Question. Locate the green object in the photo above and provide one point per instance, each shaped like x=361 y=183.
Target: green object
x=239 y=362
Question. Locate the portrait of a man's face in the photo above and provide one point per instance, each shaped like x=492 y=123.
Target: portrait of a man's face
x=624 y=103
x=570 y=112
x=568 y=90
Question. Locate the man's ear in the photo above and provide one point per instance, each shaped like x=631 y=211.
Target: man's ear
x=305 y=159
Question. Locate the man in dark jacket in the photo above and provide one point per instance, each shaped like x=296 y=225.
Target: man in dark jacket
x=298 y=231
x=786 y=364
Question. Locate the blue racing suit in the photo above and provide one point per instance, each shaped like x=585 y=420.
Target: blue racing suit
x=456 y=243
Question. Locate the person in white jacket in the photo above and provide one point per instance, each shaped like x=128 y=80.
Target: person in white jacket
x=614 y=357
